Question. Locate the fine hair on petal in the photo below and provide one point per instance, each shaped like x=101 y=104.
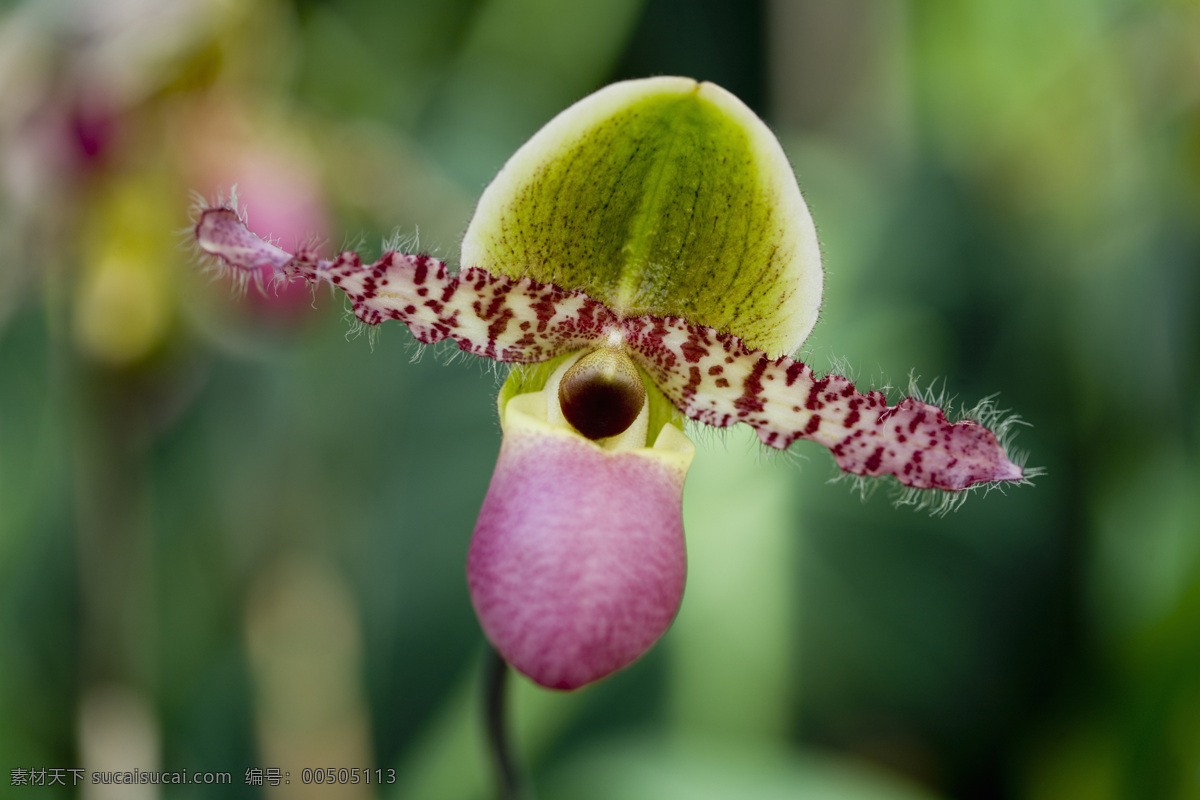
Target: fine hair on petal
x=400 y=242
x=939 y=502
x=215 y=268
x=861 y=485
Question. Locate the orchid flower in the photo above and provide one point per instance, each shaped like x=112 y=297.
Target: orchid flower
x=645 y=258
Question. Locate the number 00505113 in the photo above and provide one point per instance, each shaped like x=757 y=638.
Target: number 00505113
x=345 y=775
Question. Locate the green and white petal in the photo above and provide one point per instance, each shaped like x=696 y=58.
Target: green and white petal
x=661 y=196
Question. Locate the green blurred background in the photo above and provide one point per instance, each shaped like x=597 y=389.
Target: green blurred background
x=232 y=537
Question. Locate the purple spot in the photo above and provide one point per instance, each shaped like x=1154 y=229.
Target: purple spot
x=794 y=372
x=692 y=352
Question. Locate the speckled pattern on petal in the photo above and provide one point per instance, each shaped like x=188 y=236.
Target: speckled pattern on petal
x=577 y=564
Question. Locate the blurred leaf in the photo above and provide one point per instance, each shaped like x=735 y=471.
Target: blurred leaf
x=521 y=62
x=712 y=770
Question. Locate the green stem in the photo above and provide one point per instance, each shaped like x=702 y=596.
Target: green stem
x=510 y=783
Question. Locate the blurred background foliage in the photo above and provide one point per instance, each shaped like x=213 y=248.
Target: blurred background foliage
x=232 y=537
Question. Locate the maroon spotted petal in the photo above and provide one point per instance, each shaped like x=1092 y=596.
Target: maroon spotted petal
x=488 y=315
x=711 y=377
x=715 y=379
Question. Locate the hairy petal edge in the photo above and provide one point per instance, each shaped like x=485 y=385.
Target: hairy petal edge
x=710 y=376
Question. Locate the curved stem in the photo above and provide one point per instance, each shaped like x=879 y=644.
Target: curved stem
x=510 y=782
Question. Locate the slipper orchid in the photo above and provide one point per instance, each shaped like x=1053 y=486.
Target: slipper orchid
x=645 y=257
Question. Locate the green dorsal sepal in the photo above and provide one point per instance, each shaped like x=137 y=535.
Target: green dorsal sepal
x=662 y=196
